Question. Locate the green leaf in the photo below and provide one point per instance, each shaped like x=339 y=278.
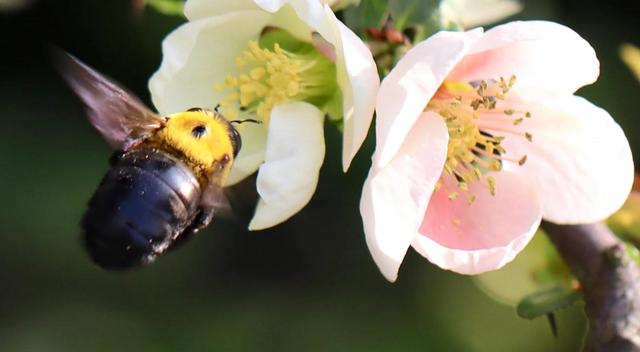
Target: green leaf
x=551 y=319
x=407 y=13
x=167 y=7
x=368 y=14
x=546 y=302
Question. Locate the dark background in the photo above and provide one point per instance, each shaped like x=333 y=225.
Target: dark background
x=306 y=285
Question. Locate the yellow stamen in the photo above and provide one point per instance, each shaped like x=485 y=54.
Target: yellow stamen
x=274 y=76
x=470 y=112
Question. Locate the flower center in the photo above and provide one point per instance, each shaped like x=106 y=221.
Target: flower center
x=477 y=128
x=270 y=75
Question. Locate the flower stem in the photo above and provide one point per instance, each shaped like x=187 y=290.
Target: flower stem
x=610 y=280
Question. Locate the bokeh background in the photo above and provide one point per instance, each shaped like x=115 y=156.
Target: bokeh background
x=306 y=285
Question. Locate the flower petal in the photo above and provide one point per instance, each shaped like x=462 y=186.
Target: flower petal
x=539 y=53
x=482 y=236
x=197 y=9
x=191 y=66
x=308 y=15
x=478 y=12
x=405 y=92
x=395 y=197
x=579 y=159
x=357 y=72
x=295 y=151
x=254 y=141
x=359 y=82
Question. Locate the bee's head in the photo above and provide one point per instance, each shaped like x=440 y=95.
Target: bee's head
x=203 y=136
x=236 y=140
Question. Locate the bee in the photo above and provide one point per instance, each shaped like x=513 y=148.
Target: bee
x=165 y=180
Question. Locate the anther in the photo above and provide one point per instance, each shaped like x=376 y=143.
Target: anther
x=492 y=185
x=528 y=136
x=522 y=160
x=471 y=199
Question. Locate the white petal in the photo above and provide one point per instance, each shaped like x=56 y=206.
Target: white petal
x=482 y=236
x=359 y=82
x=273 y=5
x=254 y=141
x=580 y=158
x=197 y=9
x=309 y=14
x=394 y=198
x=405 y=92
x=357 y=73
x=295 y=151
x=539 y=53
x=478 y=12
x=198 y=55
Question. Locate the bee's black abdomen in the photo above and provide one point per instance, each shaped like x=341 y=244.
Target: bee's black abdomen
x=143 y=204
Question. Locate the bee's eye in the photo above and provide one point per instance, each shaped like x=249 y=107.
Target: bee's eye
x=199 y=131
x=236 y=141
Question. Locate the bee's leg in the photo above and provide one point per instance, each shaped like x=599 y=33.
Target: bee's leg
x=201 y=220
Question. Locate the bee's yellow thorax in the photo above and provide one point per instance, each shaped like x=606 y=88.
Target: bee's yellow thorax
x=205 y=149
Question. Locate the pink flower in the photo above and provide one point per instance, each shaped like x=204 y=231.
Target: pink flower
x=479 y=136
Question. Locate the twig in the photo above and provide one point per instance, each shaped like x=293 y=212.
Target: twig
x=610 y=281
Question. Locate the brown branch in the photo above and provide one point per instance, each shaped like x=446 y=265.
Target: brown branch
x=610 y=280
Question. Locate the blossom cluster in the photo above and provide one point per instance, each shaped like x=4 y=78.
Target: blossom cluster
x=479 y=135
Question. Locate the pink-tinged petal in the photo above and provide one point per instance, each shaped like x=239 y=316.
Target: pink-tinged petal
x=197 y=9
x=539 y=53
x=405 y=92
x=294 y=154
x=580 y=158
x=359 y=82
x=482 y=236
x=323 y=46
x=191 y=66
x=395 y=197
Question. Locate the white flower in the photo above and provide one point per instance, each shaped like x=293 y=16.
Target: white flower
x=318 y=66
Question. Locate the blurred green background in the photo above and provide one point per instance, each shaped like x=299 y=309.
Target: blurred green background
x=307 y=285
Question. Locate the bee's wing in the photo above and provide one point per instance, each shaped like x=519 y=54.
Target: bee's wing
x=213 y=197
x=113 y=111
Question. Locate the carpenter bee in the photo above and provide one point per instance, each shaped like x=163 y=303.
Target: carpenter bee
x=165 y=180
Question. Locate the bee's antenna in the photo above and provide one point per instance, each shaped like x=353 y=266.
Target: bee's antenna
x=246 y=120
x=216 y=108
